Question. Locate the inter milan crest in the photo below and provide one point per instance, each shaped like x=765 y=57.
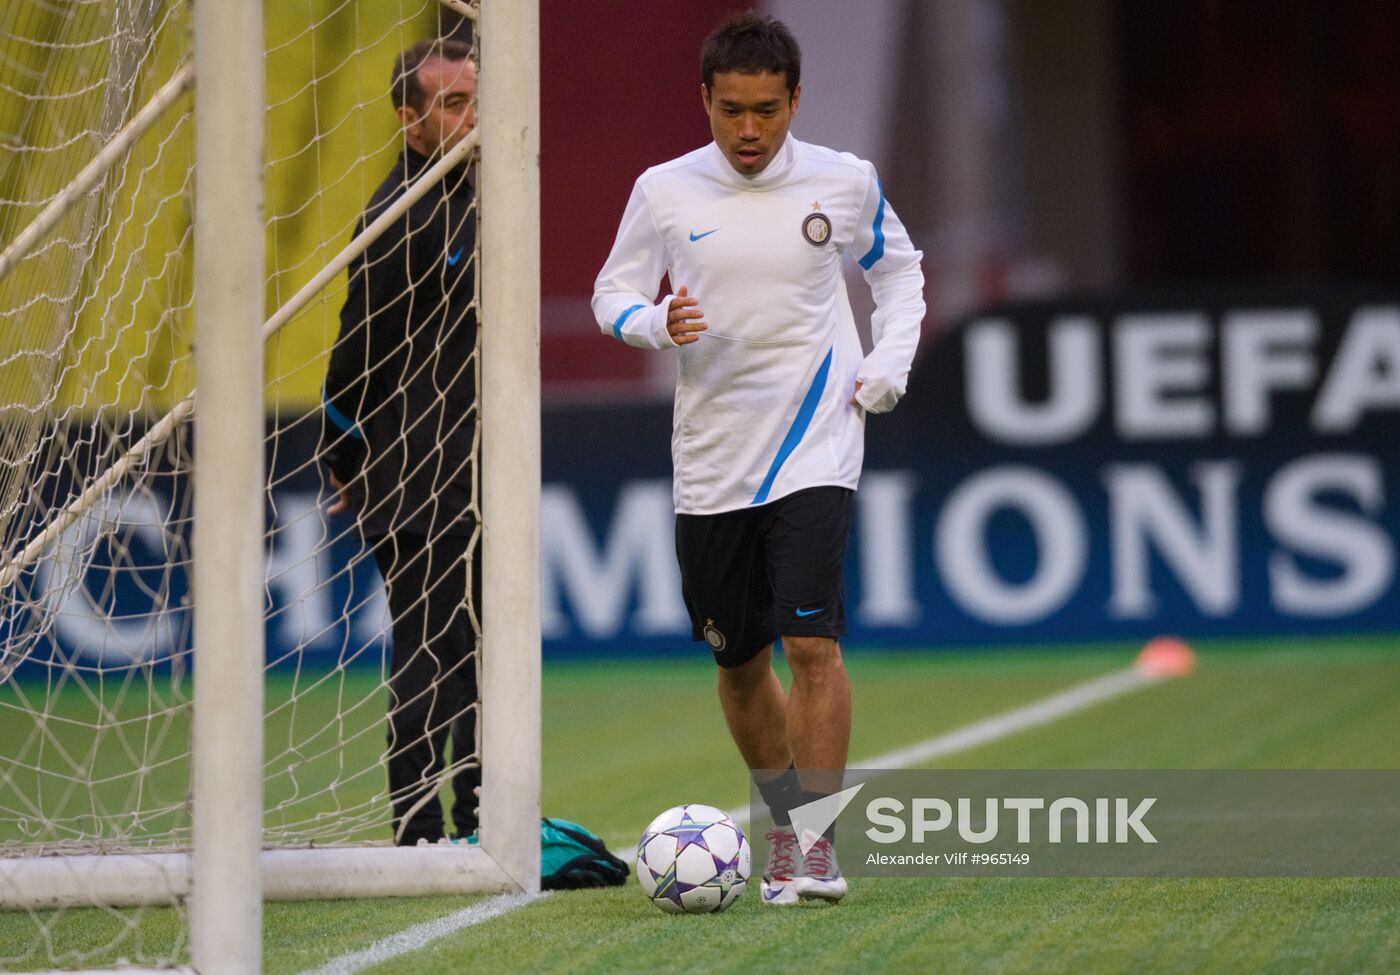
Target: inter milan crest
x=817 y=229
x=713 y=636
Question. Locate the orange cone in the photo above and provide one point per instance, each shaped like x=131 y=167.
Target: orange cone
x=1166 y=656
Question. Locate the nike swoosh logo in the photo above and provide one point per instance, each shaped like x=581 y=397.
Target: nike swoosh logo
x=809 y=612
x=694 y=236
x=771 y=893
x=454 y=259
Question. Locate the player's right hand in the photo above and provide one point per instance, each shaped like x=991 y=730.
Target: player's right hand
x=683 y=318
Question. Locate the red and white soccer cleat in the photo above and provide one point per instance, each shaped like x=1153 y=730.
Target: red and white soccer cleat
x=779 y=875
x=821 y=878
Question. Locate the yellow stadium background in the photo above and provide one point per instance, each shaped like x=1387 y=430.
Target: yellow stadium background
x=118 y=267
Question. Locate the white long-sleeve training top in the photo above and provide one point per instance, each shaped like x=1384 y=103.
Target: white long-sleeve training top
x=762 y=404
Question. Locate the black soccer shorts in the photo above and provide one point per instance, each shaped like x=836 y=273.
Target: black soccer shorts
x=752 y=575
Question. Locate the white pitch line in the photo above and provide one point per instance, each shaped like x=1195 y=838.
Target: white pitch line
x=1003 y=725
x=422 y=935
x=999 y=726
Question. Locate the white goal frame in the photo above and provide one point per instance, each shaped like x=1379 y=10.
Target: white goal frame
x=228 y=874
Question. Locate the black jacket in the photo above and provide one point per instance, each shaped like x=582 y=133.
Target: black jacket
x=400 y=394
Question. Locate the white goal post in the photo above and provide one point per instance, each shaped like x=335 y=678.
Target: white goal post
x=510 y=409
x=226 y=849
x=227 y=791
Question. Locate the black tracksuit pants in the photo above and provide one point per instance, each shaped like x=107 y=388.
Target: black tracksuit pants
x=432 y=679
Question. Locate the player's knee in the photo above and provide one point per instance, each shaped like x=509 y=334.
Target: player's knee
x=811 y=654
x=748 y=675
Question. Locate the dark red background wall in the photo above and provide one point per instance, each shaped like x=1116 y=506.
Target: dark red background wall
x=619 y=91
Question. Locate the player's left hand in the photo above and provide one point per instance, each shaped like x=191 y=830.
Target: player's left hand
x=342 y=497
x=855 y=402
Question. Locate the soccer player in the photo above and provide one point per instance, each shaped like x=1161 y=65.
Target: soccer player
x=770 y=405
x=400 y=414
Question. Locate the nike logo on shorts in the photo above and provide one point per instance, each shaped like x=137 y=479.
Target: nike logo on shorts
x=694 y=236
x=808 y=612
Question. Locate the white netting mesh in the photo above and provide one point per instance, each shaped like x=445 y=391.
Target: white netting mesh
x=96 y=327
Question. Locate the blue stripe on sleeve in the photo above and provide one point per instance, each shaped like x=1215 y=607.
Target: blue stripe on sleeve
x=342 y=421
x=798 y=429
x=617 y=325
x=877 y=249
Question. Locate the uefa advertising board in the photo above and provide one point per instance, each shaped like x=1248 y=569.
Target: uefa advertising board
x=1218 y=462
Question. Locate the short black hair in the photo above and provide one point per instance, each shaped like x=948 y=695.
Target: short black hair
x=406 y=89
x=751 y=43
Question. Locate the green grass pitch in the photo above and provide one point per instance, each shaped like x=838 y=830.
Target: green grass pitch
x=624 y=740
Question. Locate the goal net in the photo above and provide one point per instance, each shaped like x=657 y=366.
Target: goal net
x=372 y=715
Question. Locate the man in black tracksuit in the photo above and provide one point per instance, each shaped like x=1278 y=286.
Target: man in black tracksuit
x=400 y=425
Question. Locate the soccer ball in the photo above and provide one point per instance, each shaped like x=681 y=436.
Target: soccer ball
x=693 y=859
